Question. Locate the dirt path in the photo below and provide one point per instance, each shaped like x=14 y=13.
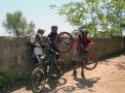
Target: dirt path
x=108 y=77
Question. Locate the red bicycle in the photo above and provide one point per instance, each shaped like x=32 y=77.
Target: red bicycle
x=64 y=42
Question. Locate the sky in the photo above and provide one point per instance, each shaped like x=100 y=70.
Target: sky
x=38 y=11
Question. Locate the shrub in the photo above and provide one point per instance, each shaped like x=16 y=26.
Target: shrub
x=4 y=79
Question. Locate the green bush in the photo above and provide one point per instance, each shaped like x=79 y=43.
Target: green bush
x=4 y=79
x=68 y=65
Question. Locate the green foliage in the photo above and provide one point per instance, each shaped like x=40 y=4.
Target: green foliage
x=4 y=80
x=96 y=15
x=74 y=12
x=69 y=65
x=16 y=24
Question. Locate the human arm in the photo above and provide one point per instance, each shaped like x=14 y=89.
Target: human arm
x=90 y=45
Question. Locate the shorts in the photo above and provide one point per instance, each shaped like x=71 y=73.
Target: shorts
x=76 y=56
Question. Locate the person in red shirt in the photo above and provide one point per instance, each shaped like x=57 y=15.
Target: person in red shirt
x=82 y=42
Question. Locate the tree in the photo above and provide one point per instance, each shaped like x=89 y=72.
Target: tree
x=16 y=24
x=78 y=14
x=75 y=13
x=107 y=16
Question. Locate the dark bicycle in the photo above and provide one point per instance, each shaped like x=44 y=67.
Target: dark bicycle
x=45 y=70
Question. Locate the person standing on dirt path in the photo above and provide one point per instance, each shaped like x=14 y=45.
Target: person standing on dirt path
x=82 y=42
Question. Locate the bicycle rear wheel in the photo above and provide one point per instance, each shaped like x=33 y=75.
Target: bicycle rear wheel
x=38 y=80
x=90 y=61
x=60 y=67
x=64 y=42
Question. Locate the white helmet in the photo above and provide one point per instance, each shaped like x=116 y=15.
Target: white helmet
x=40 y=32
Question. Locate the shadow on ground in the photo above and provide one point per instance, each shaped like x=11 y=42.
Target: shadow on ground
x=82 y=84
x=18 y=85
x=120 y=66
x=54 y=83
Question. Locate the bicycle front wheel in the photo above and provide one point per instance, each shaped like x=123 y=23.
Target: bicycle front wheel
x=90 y=61
x=64 y=42
x=38 y=80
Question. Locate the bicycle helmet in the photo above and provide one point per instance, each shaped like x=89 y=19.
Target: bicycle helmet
x=40 y=32
x=54 y=28
x=83 y=31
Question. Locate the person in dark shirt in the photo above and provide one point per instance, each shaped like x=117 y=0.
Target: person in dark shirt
x=52 y=37
x=53 y=33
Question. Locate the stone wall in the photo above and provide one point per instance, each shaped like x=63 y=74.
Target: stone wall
x=108 y=46
x=15 y=57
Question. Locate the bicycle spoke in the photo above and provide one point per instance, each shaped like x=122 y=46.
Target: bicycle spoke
x=64 y=42
x=90 y=62
x=38 y=80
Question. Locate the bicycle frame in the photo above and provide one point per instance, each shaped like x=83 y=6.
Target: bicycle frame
x=46 y=64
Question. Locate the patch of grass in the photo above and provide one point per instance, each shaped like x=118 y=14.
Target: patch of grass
x=5 y=80
x=68 y=65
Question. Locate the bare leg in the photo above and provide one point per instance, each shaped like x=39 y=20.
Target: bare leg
x=82 y=70
x=74 y=68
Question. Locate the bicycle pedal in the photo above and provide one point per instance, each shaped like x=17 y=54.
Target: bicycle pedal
x=54 y=75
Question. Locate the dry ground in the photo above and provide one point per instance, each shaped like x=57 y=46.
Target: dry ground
x=108 y=77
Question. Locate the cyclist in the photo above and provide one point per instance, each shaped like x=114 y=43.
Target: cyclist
x=82 y=42
x=51 y=37
x=37 y=43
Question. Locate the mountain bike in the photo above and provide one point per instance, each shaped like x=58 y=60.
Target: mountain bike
x=64 y=42
x=44 y=71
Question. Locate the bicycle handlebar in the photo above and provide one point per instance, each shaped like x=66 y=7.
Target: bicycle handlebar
x=50 y=48
x=77 y=31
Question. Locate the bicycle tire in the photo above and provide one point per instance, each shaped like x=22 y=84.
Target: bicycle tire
x=60 y=67
x=59 y=47
x=93 y=58
x=33 y=75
